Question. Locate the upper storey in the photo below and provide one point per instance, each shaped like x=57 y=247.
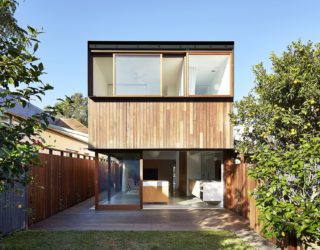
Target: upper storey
x=160 y=69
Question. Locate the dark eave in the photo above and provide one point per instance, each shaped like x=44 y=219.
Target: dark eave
x=160 y=45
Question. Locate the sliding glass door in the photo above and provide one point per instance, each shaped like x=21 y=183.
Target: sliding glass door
x=119 y=182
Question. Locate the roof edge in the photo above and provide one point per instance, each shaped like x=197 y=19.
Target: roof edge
x=161 y=45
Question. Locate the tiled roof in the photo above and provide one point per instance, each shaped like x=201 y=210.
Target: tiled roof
x=24 y=112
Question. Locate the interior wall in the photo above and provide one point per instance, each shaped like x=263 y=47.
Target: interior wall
x=204 y=165
x=102 y=76
x=182 y=173
x=226 y=78
x=193 y=167
x=164 y=155
x=164 y=167
x=172 y=75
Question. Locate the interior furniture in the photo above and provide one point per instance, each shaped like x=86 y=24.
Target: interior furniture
x=155 y=191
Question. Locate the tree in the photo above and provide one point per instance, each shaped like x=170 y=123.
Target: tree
x=75 y=107
x=8 y=24
x=20 y=82
x=280 y=124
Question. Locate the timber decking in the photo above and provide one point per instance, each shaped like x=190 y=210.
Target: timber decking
x=84 y=217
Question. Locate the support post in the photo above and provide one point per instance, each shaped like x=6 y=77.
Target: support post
x=96 y=181
x=109 y=178
x=222 y=186
x=141 y=181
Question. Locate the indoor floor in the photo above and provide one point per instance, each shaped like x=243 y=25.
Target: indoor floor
x=183 y=202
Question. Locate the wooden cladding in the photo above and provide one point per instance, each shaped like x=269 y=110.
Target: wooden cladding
x=160 y=125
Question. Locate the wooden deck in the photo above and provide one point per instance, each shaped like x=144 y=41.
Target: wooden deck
x=84 y=217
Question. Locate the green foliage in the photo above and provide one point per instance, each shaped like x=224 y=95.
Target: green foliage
x=8 y=24
x=75 y=107
x=20 y=82
x=280 y=124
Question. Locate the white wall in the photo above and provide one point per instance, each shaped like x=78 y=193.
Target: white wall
x=225 y=81
x=193 y=167
x=172 y=75
x=102 y=76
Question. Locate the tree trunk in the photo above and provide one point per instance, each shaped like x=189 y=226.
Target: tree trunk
x=292 y=242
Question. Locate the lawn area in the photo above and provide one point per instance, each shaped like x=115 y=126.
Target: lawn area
x=122 y=240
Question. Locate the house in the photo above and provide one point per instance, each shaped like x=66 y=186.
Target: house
x=61 y=134
x=159 y=111
x=65 y=139
x=72 y=123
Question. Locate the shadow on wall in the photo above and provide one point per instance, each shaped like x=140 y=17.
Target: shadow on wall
x=236 y=188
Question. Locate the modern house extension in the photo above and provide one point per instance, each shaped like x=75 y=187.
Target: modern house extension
x=159 y=112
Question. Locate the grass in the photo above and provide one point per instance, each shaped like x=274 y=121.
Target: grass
x=35 y=239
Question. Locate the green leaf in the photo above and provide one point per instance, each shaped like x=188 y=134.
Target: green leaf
x=40 y=66
x=35 y=47
x=281 y=131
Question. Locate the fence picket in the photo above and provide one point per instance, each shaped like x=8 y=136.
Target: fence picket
x=66 y=181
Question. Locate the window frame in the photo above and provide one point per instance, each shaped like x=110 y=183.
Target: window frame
x=135 y=54
x=161 y=53
x=231 y=83
x=184 y=57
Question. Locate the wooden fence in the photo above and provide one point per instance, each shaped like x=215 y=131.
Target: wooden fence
x=12 y=210
x=237 y=188
x=60 y=182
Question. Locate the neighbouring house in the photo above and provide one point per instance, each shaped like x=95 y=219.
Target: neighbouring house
x=72 y=123
x=62 y=138
x=159 y=112
x=62 y=134
x=64 y=179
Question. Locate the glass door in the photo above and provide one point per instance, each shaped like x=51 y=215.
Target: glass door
x=119 y=181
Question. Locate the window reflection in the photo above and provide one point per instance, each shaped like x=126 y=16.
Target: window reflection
x=209 y=75
x=119 y=183
x=137 y=74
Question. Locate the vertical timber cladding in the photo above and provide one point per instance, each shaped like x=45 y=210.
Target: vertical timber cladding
x=130 y=125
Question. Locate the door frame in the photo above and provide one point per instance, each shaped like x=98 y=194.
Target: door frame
x=115 y=206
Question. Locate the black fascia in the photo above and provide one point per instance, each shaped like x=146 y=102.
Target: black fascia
x=160 y=45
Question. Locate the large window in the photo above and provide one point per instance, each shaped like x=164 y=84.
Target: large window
x=209 y=75
x=137 y=74
x=167 y=74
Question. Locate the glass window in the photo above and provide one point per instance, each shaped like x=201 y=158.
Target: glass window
x=209 y=75
x=119 y=183
x=4 y=118
x=102 y=76
x=103 y=181
x=137 y=74
x=173 y=76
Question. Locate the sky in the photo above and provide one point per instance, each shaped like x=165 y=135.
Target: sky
x=257 y=28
